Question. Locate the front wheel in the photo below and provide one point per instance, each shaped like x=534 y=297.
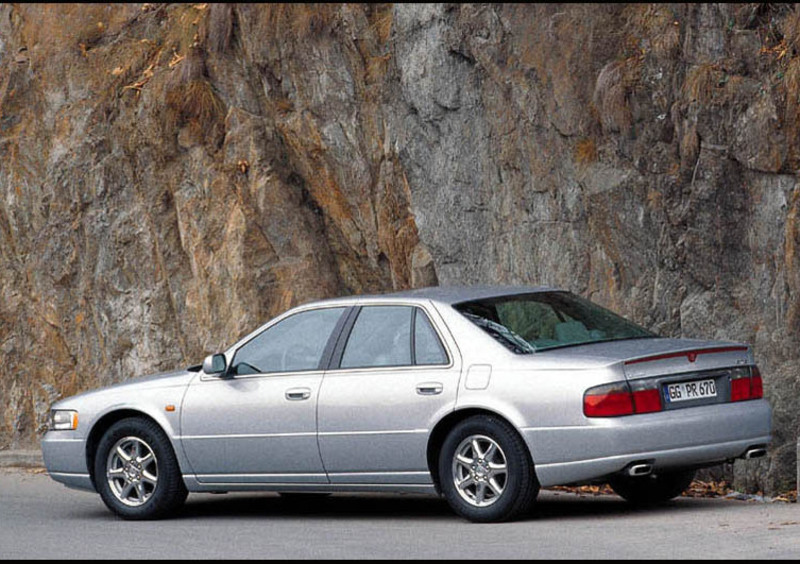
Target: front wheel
x=485 y=470
x=652 y=489
x=136 y=472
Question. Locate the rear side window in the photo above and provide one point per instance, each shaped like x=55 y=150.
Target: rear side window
x=428 y=348
x=381 y=336
x=292 y=345
x=392 y=336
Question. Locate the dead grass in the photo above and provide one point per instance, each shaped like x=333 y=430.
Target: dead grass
x=700 y=83
x=284 y=105
x=791 y=82
x=610 y=96
x=299 y=21
x=191 y=101
x=586 y=151
x=656 y=24
x=382 y=23
x=667 y=42
x=184 y=27
x=377 y=67
x=791 y=29
x=195 y=105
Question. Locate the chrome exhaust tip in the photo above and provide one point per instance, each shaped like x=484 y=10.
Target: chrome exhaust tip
x=757 y=452
x=640 y=469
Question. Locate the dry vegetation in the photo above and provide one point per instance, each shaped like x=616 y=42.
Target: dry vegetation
x=586 y=151
x=654 y=27
x=791 y=29
x=701 y=80
x=299 y=21
x=611 y=93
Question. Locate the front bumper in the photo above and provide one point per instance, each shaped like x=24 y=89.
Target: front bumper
x=64 y=454
x=670 y=439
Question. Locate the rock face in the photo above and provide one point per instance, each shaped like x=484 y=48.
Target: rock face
x=173 y=175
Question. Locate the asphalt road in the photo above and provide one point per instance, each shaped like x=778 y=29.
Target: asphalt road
x=42 y=519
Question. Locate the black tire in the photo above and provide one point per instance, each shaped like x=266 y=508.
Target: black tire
x=169 y=493
x=520 y=486
x=652 y=489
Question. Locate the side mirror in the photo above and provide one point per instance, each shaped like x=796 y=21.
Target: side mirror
x=214 y=364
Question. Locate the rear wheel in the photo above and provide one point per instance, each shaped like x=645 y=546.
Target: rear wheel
x=485 y=470
x=652 y=489
x=136 y=471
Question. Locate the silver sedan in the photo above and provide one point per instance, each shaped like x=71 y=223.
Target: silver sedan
x=482 y=395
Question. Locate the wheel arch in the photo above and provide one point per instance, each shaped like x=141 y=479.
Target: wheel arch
x=446 y=424
x=104 y=423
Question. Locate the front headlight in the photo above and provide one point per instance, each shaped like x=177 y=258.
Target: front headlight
x=63 y=420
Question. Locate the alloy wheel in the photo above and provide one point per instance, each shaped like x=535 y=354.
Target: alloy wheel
x=480 y=470
x=132 y=471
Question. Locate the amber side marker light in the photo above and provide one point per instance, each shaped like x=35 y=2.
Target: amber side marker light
x=63 y=420
x=170 y=408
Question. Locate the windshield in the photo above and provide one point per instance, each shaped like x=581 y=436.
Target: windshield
x=526 y=323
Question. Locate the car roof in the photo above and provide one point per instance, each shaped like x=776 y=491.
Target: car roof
x=445 y=294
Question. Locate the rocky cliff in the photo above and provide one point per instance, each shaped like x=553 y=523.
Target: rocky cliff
x=173 y=175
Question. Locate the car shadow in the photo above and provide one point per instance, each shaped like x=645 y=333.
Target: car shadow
x=385 y=506
x=338 y=506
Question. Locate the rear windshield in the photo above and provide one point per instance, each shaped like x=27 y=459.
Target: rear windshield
x=526 y=323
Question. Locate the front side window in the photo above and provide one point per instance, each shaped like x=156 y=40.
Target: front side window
x=527 y=323
x=294 y=344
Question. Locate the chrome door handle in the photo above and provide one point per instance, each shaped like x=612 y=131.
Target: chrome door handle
x=429 y=389
x=298 y=394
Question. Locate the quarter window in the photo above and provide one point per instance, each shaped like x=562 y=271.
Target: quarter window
x=428 y=348
x=294 y=344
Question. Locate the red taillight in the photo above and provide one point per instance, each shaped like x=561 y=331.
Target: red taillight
x=608 y=401
x=756 y=384
x=617 y=399
x=746 y=384
x=740 y=389
x=647 y=401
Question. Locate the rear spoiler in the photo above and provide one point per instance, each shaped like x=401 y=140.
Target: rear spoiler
x=691 y=355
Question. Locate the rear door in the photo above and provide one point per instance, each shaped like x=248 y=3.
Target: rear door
x=394 y=374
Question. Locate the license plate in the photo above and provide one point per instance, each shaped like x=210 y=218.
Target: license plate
x=685 y=391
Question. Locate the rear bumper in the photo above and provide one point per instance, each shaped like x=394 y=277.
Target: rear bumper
x=672 y=439
x=65 y=459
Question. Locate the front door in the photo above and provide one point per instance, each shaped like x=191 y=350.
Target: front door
x=391 y=381
x=259 y=423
